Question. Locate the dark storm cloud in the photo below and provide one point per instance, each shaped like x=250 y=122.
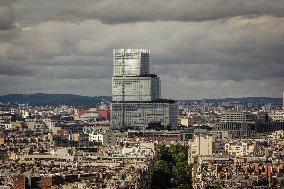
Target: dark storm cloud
x=206 y=48
x=14 y=69
x=7 y=15
x=17 y=84
x=236 y=73
x=74 y=72
x=114 y=11
x=123 y=11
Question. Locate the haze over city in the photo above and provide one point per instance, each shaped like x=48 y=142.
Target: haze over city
x=200 y=49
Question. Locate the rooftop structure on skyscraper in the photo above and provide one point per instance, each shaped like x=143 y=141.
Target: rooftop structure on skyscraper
x=136 y=62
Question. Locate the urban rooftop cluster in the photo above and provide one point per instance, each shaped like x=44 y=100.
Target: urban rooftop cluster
x=140 y=138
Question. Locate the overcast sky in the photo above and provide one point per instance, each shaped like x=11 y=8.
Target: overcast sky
x=200 y=48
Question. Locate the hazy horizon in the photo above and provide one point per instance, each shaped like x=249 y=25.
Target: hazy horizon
x=110 y=96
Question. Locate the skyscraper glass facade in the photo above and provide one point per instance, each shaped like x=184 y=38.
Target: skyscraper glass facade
x=136 y=92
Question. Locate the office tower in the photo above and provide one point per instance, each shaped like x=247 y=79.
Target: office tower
x=237 y=117
x=135 y=62
x=136 y=93
x=141 y=114
x=239 y=124
x=143 y=88
x=136 y=84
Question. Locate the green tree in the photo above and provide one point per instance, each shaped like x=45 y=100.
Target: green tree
x=184 y=186
x=181 y=157
x=165 y=154
x=179 y=153
x=162 y=166
x=176 y=148
x=182 y=172
x=161 y=176
x=172 y=169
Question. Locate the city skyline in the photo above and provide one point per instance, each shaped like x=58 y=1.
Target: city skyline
x=201 y=49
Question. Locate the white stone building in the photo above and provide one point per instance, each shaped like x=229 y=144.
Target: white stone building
x=201 y=145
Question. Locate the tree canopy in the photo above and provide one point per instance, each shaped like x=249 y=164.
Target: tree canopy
x=172 y=168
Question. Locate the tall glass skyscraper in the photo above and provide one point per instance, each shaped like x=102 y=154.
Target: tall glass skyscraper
x=136 y=62
x=131 y=76
x=136 y=93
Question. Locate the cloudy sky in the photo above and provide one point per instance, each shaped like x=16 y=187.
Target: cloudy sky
x=200 y=48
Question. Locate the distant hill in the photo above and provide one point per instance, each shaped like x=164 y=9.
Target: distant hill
x=260 y=101
x=39 y=99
